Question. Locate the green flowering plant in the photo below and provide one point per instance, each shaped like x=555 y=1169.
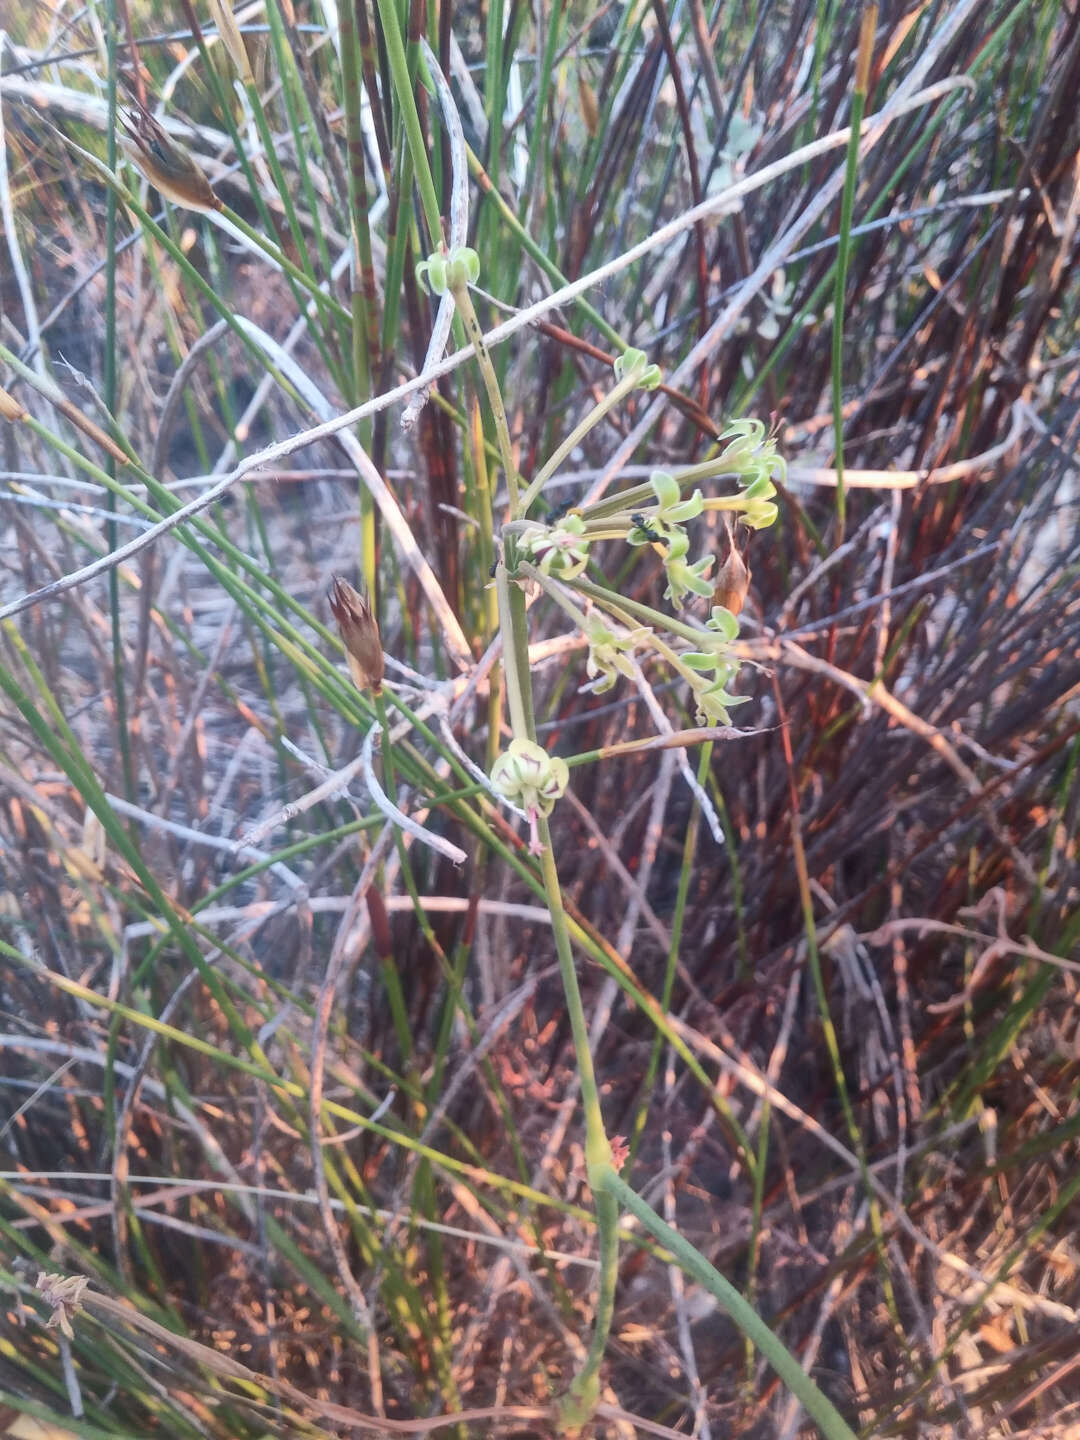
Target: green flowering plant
x=527 y=775
x=754 y=460
x=559 y=550
x=634 y=365
x=610 y=650
x=685 y=577
x=445 y=268
x=712 y=696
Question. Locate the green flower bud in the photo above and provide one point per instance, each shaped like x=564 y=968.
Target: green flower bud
x=634 y=365
x=432 y=273
x=442 y=270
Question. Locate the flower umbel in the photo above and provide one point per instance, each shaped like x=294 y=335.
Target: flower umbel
x=359 y=635
x=528 y=775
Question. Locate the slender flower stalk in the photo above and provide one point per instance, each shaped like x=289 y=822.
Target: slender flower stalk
x=474 y=331
x=582 y=1396
x=632 y=372
x=525 y=772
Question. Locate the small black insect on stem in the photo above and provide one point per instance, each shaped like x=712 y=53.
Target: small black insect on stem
x=556 y=513
x=646 y=529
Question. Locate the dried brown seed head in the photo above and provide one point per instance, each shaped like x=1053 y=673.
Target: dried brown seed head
x=63 y=1293
x=10 y=409
x=359 y=635
x=168 y=167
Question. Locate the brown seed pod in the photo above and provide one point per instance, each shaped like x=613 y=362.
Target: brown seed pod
x=359 y=635
x=732 y=579
x=10 y=409
x=168 y=167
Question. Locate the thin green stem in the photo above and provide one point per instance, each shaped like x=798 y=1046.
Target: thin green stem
x=515 y=662
x=621 y=606
x=119 y=692
x=592 y=419
x=584 y=1390
x=361 y=276
x=580 y=1401
x=475 y=335
x=597 y=1149
x=685 y=876
x=816 y=1405
x=403 y=90
x=847 y=204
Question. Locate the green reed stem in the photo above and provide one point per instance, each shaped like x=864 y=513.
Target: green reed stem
x=119 y=692
x=843 y=253
x=410 y=116
x=364 y=324
x=463 y=300
x=816 y=1405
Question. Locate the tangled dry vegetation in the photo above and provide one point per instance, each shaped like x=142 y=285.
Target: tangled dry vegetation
x=854 y=1087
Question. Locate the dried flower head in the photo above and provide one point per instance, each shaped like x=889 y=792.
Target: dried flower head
x=10 y=409
x=359 y=635
x=64 y=1294
x=168 y=167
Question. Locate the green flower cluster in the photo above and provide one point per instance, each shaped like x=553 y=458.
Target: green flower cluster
x=656 y=514
x=712 y=696
x=560 y=550
x=526 y=774
x=610 y=652
x=754 y=461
